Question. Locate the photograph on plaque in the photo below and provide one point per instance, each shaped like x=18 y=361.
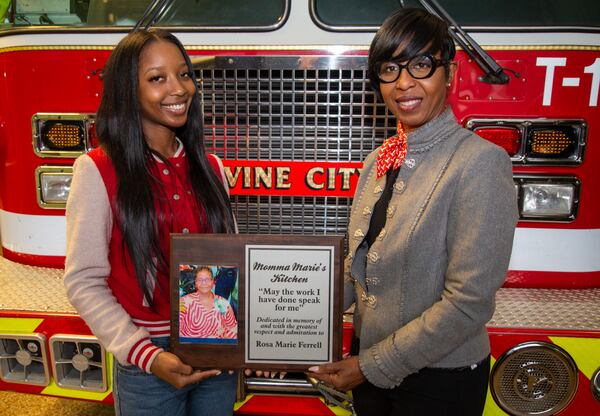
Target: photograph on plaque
x=208 y=302
x=268 y=302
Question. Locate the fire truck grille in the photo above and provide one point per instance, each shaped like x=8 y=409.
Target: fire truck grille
x=290 y=109
x=291 y=215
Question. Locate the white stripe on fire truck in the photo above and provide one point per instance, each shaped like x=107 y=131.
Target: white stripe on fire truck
x=558 y=250
x=534 y=249
x=42 y=235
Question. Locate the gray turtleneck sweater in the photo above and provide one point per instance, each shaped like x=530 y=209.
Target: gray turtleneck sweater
x=425 y=289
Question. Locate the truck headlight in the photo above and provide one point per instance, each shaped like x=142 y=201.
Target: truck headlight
x=53 y=185
x=548 y=198
x=545 y=199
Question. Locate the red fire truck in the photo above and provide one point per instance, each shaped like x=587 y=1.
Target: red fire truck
x=288 y=108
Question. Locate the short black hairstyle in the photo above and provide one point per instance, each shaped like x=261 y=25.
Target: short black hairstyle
x=418 y=31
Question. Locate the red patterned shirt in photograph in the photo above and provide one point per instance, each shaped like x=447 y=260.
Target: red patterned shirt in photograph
x=195 y=320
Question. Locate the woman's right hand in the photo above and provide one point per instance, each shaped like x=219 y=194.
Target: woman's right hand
x=170 y=368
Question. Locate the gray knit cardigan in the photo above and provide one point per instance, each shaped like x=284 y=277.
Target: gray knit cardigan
x=426 y=288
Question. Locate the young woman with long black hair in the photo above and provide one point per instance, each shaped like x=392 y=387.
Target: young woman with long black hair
x=150 y=176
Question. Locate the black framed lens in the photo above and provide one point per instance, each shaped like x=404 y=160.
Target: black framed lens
x=419 y=67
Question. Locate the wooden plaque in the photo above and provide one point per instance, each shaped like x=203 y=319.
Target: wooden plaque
x=274 y=301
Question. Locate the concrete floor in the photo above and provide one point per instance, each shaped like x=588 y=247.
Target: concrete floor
x=20 y=404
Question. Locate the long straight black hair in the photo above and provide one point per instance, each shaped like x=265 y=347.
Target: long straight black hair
x=119 y=129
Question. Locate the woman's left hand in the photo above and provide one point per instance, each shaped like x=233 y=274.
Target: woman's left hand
x=343 y=375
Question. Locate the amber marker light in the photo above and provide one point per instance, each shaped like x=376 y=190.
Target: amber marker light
x=65 y=135
x=551 y=142
x=59 y=136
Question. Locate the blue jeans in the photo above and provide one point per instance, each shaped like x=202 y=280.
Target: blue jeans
x=138 y=393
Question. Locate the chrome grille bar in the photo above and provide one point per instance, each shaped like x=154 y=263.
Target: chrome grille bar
x=286 y=385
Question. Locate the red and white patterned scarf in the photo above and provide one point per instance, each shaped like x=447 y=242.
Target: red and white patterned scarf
x=392 y=152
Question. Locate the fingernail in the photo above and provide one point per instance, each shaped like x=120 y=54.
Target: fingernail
x=218 y=372
x=314 y=369
x=281 y=376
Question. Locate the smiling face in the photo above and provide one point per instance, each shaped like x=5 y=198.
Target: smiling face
x=165 y=88
x=204 y=281
x=416 y=101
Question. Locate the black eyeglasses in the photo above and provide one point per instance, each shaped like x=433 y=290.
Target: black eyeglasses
x=419 y=67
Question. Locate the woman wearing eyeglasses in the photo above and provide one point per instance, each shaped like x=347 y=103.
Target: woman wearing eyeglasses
x=202 y=314
x=430 y=238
